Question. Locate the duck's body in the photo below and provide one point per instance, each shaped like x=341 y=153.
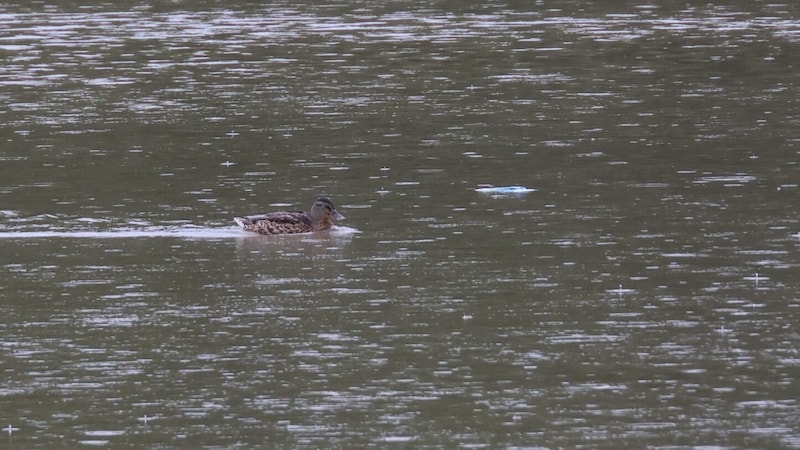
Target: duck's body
x=320 y=217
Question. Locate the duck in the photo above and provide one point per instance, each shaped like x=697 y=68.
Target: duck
x=320 y=217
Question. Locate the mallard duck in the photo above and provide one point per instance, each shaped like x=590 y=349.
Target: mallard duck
x=319 y=218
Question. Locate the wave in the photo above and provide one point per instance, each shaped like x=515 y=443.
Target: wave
x=152 y=232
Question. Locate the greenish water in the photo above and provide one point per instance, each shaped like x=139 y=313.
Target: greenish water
x=644 y=295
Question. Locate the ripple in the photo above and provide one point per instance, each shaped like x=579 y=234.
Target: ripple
x=182 y=233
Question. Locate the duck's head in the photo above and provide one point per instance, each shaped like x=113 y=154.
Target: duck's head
x=323 y=210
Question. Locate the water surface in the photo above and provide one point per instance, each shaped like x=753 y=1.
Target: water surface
x=642 y=294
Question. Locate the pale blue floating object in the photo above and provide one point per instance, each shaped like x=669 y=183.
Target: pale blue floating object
x=504 y=190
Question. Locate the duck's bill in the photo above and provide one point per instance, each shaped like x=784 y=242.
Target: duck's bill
x=337 y=216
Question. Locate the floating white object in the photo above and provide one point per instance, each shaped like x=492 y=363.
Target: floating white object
x=503 y=189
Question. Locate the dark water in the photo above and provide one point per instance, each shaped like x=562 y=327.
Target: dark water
x=645 y=295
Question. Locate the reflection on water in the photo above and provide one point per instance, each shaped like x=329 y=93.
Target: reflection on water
x=640 y=293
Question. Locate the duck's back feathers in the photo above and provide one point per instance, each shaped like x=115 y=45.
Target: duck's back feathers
x=284 y=222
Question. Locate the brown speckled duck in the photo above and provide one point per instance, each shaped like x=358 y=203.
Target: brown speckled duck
x=321 y=217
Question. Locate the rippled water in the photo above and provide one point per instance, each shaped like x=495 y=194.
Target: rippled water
x=641 y=292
